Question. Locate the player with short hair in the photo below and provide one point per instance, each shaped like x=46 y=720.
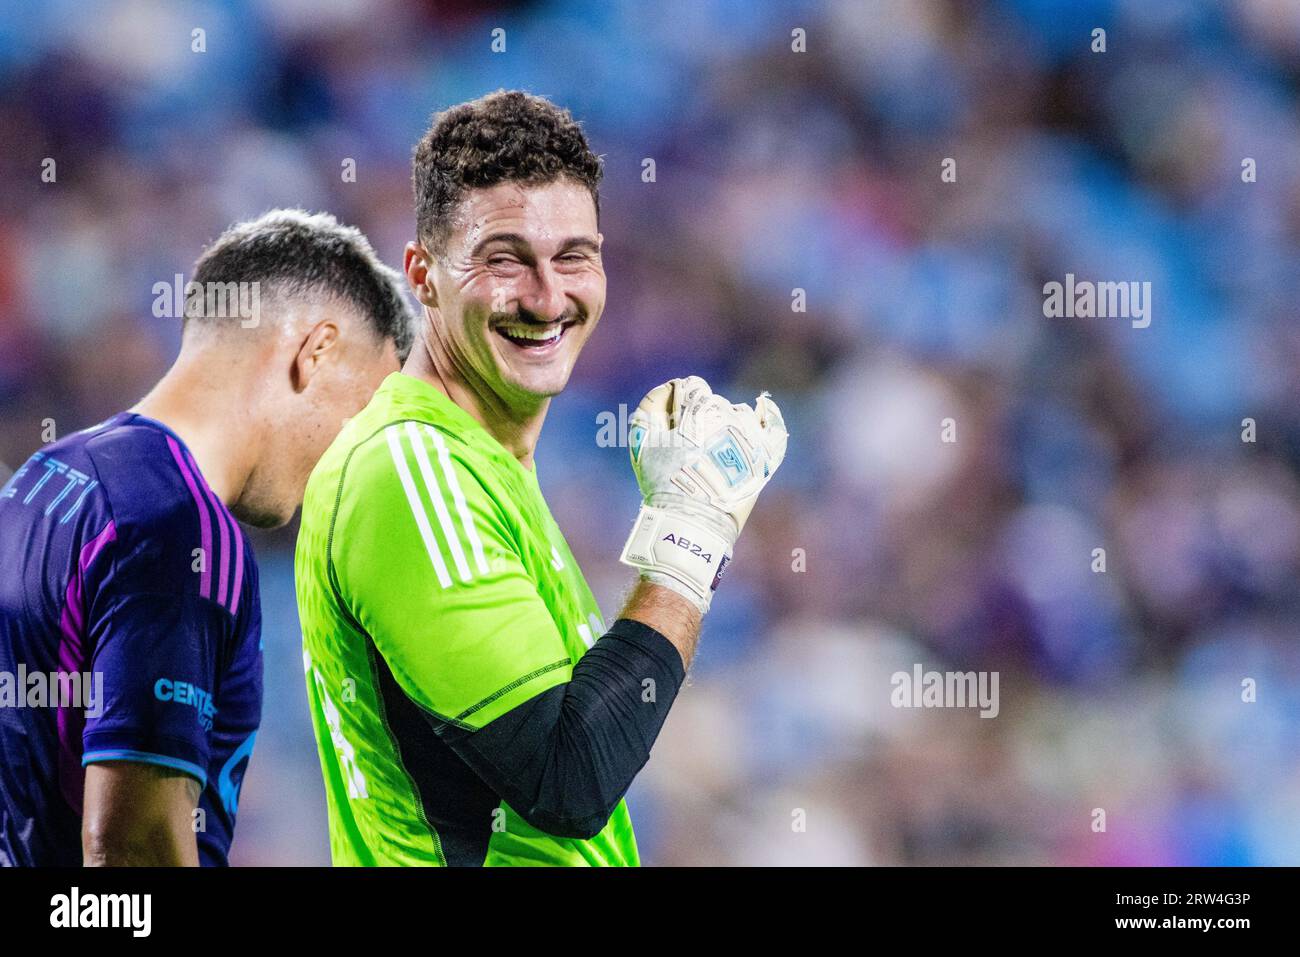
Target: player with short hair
x=128 y=591
x=469 y=705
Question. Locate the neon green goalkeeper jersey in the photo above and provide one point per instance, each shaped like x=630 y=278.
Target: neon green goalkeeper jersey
x=434 y=588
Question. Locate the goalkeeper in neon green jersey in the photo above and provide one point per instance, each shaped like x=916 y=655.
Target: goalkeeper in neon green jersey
x=470 y=705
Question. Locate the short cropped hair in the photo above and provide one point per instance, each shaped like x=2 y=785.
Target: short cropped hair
x=506 y=136
x=293 y=252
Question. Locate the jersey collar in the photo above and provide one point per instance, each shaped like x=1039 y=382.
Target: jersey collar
x=409 y=389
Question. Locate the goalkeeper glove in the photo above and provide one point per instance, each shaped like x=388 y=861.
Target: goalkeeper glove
x=700 y=463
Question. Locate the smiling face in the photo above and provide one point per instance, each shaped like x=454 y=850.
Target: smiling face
x=517 y=291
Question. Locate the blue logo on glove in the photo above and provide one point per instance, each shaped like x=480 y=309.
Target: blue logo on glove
x=727 y=456
x=635 y=439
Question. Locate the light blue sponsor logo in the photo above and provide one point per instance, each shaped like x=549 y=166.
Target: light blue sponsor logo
x=730 y=460
x=184 y=693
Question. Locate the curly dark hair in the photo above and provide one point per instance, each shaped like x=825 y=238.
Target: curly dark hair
x=504 y=136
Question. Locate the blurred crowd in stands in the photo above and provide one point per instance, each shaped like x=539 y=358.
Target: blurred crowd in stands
x=1164 y=690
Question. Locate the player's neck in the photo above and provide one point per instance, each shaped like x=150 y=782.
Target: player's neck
x=517 y=430
x=214 y=424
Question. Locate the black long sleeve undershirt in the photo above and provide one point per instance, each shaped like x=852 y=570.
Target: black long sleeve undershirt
x=564 y=758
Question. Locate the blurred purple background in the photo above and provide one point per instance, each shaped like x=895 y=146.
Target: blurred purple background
x=778 y=170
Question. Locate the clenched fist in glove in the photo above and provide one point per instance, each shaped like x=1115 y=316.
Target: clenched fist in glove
x=700 y=462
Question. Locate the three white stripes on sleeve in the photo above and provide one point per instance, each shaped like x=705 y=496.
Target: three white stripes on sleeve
x=428 y=473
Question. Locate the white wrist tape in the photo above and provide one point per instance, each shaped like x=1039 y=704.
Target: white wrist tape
x=676 y=545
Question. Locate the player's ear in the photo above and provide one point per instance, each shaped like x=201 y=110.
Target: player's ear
x=416 y=263
x=320 y=341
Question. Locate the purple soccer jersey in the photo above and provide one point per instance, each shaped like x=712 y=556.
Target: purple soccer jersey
x=130 y=629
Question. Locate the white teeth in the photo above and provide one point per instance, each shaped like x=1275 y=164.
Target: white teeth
x=532 y=332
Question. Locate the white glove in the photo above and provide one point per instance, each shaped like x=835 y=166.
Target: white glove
x=700 y=462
